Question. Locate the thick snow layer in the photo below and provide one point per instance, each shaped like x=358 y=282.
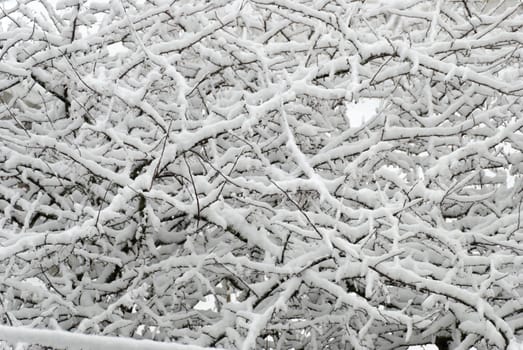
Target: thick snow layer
x=515 y=345
x=70 y=341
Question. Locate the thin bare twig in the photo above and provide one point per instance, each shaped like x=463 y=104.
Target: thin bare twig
x=297 y=206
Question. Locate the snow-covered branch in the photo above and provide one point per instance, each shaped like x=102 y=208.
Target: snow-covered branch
x=200 y=172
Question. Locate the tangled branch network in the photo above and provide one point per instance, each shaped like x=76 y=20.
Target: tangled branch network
x=190 y=173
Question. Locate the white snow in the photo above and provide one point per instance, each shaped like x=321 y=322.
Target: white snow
x=74 y=341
